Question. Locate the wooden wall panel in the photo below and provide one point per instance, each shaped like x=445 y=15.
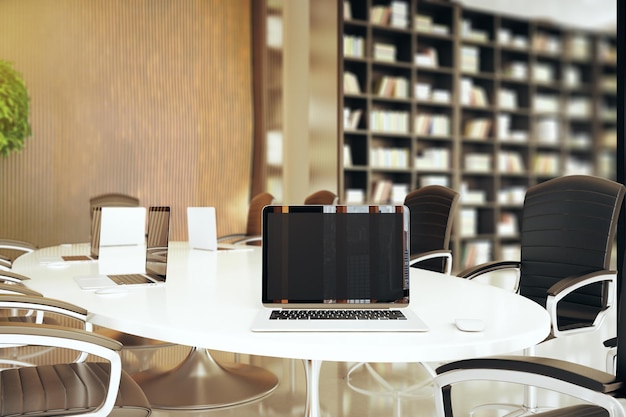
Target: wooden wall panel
x=146 y=97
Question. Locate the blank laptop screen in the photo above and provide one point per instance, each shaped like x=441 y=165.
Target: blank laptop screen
x=335 y=254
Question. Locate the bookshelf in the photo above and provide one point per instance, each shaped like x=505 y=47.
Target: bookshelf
x=486 y=103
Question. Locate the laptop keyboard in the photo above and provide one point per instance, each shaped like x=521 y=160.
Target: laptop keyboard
x=329 y=314
x=129 y=279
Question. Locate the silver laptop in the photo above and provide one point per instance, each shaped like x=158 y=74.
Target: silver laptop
x=155 y=271
x=113 y=226
x=336 y=268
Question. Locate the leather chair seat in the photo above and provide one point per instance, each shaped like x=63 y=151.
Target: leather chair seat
x=34 y=391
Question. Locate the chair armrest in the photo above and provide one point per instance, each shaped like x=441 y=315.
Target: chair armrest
x=557 y=375
x=17 y=289
x=63 y=337
x=38 y=302
x=487 y=267
x=12 y=277
x=17 y=245
x=231 y=237
x=442 y=253
x=248 y=239
x=568 y=285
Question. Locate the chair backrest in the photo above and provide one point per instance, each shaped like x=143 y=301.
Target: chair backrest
x=432 y=211
x=114 y=200
x=255 y=211
x=323 y=197
x=568 y=227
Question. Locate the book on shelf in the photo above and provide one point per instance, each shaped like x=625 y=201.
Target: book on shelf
x=607 y=52
x=545 y=42
x=434 y=158
x=546 y=103
x=351 y=118
x=507 y=38
x=380 y=14
x=470 y=59
x=347 y=10
x=478 y=128
x=478 y=162
x=577 y=166
x=383 y=157
x=581 y=140
x=388 y=86
x=468 y=222
x=399 y=193
x=548 y=131
x=385 y=52
x=427 y=56
x=506 y=134
x=432 y=124
x=389 y=121
x=510 y=162
x=572 y=76
x=426 y=24
x=355 y=196
x=353 y=46
x=347 y=155
x=507 y=98
x=471 y=33
x=475 y=253
x=543 y=72
x=511 y=252
x=399 y=17
x=426 y=180
x=422 y=91
x=515 y=69
x=386 y=191
x=579 y=47
x=472 y=95
x=351 y=83
x=469 y=196
x=579 y=107
x=546 y=164
x=507 y=224
x=512 y=195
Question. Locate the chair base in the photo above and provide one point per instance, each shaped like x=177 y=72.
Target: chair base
x=365 y=379
x=199 y=382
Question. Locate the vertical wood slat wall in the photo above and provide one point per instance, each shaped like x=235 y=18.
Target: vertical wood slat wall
x=151 y=98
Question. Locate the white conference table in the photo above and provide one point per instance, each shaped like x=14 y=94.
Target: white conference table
x=211 y=298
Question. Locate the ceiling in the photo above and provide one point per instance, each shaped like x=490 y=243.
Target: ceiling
x=591 y=14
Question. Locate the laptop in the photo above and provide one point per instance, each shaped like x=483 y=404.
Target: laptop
x=113 y=226
x=155 y=271
x=202 y=231
x=336 y=268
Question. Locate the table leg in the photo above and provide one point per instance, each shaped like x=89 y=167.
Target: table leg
x=199 y=382
x=312 y=373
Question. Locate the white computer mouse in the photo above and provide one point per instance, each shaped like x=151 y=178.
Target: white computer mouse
x=470 y=325
x=112 y=291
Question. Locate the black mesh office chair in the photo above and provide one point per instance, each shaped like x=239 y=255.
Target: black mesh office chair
x=432 y=211
x=568 y=230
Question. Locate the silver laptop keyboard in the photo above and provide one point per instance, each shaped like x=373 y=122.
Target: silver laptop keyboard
x=348 y=314
x=129 y=279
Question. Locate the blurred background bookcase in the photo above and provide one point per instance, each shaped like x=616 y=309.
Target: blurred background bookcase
x=486 y=103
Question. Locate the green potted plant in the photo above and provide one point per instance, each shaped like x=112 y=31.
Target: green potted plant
x=14 y=109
